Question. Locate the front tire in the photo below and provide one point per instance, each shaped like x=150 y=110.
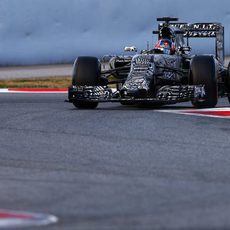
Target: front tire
x=203 y=72
x=86 y=72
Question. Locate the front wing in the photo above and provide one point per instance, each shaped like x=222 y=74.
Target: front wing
x=165 y=95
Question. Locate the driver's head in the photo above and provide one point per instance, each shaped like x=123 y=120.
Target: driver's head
x=165 y=46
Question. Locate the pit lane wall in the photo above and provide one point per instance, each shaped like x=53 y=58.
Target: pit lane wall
x=56 y=31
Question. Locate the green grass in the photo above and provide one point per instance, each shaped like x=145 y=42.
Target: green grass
x=50 y=82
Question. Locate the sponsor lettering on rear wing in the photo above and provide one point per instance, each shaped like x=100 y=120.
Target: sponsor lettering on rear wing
x=201 y=30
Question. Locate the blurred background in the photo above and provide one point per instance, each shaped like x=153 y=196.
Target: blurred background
x=57 y=31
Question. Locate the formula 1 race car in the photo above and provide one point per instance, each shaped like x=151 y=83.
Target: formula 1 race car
x=165 y=74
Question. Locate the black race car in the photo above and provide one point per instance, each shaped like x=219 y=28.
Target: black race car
x=166 y=74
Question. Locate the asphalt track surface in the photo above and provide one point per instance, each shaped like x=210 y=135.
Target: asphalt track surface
x=115 y=167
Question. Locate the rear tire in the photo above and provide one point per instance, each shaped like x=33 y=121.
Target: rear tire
x=86 y=72
x=203 y=72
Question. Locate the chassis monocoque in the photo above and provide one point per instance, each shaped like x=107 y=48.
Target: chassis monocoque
x=154 y=78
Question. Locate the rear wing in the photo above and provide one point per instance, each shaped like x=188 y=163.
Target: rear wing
x=203 y=30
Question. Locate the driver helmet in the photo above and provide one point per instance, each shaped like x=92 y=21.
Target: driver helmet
x=165 y=46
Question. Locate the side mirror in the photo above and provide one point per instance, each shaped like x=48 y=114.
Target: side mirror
x=130 y=49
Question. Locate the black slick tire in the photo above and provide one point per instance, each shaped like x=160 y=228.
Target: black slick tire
x=203 y=72
x=86 y=72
